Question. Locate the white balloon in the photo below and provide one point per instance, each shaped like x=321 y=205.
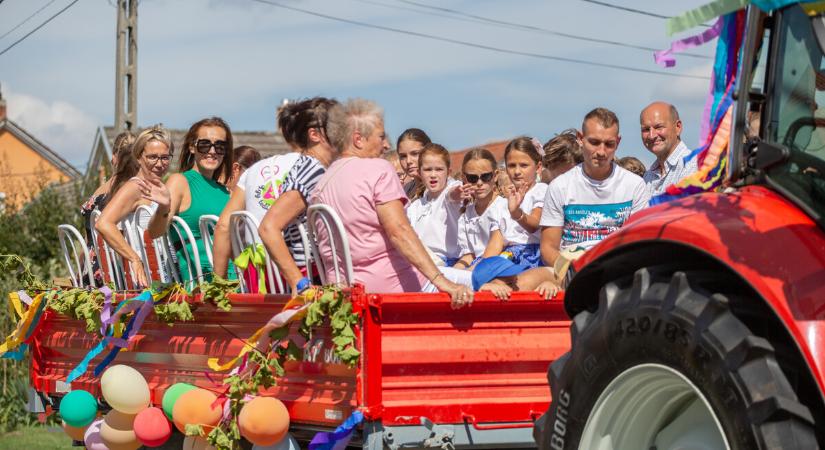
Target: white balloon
x=124 y=389
x=287 y=443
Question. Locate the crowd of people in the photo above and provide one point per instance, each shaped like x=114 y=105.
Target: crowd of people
x=414 y=223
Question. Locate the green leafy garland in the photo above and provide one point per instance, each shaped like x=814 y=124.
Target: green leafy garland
x=325 y=304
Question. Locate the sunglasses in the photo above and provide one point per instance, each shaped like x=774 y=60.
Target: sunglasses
x=473 y=178
x=203 y=146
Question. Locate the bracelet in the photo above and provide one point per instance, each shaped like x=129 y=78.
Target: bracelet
x=519 y=217
x=432 y=280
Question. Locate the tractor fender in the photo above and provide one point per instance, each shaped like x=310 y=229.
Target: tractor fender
x=768 y=245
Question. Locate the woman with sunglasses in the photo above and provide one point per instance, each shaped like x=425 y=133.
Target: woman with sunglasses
x=206 y=157
x=149 y=159
x=487 y=208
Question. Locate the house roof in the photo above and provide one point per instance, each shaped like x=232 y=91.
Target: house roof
x=40 y=148
x=496 y=147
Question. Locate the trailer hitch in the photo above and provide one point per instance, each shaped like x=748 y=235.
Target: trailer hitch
x=437 y=436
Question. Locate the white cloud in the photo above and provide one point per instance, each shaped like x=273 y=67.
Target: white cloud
x=63 y=127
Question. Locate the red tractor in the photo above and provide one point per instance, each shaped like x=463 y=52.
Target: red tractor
x=701 y=323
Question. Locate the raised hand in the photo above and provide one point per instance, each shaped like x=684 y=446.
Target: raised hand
x=515 y=196
x=154 y=190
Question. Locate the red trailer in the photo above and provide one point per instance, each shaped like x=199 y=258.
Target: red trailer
x=428 y=377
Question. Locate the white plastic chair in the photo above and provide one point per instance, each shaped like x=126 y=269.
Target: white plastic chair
x=190 y=252
x=113 y=271
x=308 y=244
x=207 y=225
x=167 y=270
x=77 y=259
x=243 y=232
x=324 y=214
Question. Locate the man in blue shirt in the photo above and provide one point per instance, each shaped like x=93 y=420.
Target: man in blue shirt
x=661 y=135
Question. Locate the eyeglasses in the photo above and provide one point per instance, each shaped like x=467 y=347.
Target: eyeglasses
x=155 y=158
x=473 y=178
x=203 y=146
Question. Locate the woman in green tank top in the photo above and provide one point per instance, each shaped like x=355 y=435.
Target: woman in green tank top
x=205 y=162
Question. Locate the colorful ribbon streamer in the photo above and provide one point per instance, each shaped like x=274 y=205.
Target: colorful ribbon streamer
x=254 y=254
x=338 y=439
x=295 y=309
x=665 y=58
x=28 y=322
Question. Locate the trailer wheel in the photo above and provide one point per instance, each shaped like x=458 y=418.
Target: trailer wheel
x=662 y=365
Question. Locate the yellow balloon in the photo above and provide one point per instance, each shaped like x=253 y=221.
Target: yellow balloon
x=125 y=389
x=117 y=433
x=196 y=443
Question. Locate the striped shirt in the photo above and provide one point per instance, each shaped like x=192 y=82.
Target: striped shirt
x=302 y=178
x=675 y=170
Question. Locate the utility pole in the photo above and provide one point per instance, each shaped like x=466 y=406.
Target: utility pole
x=126 y=66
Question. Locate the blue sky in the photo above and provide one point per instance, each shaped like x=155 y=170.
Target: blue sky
x=238 y=59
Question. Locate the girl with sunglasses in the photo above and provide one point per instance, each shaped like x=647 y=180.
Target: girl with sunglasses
x=487 y=208
x=146 y=163
x=517 y=234
x=434 y=216
x=206 y=158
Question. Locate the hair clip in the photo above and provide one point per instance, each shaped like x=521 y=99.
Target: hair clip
x=539 y=147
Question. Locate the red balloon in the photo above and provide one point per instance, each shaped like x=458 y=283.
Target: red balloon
x=152 y=428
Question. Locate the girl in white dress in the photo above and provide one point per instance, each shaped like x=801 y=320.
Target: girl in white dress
x=485 y=209
x=517 y=234
x=434 y=216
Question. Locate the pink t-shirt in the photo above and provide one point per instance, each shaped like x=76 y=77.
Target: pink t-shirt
x=353 y=187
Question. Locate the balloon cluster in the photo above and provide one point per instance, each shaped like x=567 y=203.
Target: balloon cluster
x=132 y=422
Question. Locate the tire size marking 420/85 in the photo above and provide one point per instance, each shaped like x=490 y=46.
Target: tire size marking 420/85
x=636 y=326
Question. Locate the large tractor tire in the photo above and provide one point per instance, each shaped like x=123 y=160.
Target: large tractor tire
x=663 y=365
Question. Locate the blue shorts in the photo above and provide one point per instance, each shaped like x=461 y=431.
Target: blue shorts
x=527 y=255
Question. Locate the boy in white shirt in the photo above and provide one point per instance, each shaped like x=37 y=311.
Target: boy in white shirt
x=595 y=198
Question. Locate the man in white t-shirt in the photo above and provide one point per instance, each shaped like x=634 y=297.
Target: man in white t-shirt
x=592 y=200
x=257 y=189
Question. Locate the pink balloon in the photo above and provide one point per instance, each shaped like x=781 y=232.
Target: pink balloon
x=152 y=428
x=92 y=438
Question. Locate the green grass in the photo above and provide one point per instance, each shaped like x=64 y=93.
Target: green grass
x=41 y=438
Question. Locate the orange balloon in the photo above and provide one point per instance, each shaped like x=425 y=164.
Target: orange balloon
x=76 y=433
x=117 y=431
x=264 y=421
x=195 y=408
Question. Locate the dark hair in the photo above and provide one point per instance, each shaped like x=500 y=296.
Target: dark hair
x=633 y=165
x=434 y=149
x=295 y=119
x=415 y=135
x=187 y=158
x=525 y=145
x=603 y=116
x=564 y=148
x=127 y=166
x=246 y=155
x=479 y=153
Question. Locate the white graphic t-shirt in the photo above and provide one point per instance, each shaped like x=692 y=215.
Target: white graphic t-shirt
x=589 y=210
x=511 y=230
x=262 y=182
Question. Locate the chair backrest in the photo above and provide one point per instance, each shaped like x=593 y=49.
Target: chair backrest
x=155 y=253
x=106 y=257
x=310 y=249
x=76 y=255
x=207 y=225
x=190 y=252
x=243 y=232
x=321 y=214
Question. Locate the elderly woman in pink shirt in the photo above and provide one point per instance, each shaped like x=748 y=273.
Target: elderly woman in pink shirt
x=363 y=188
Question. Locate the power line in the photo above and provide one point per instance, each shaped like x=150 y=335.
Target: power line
x=479 y=46
x=38 y=27
x=535 y=29
x=625 y=8
x=26 y=19
x=419 y=11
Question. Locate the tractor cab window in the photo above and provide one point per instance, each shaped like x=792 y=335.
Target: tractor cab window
x=797 y=118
